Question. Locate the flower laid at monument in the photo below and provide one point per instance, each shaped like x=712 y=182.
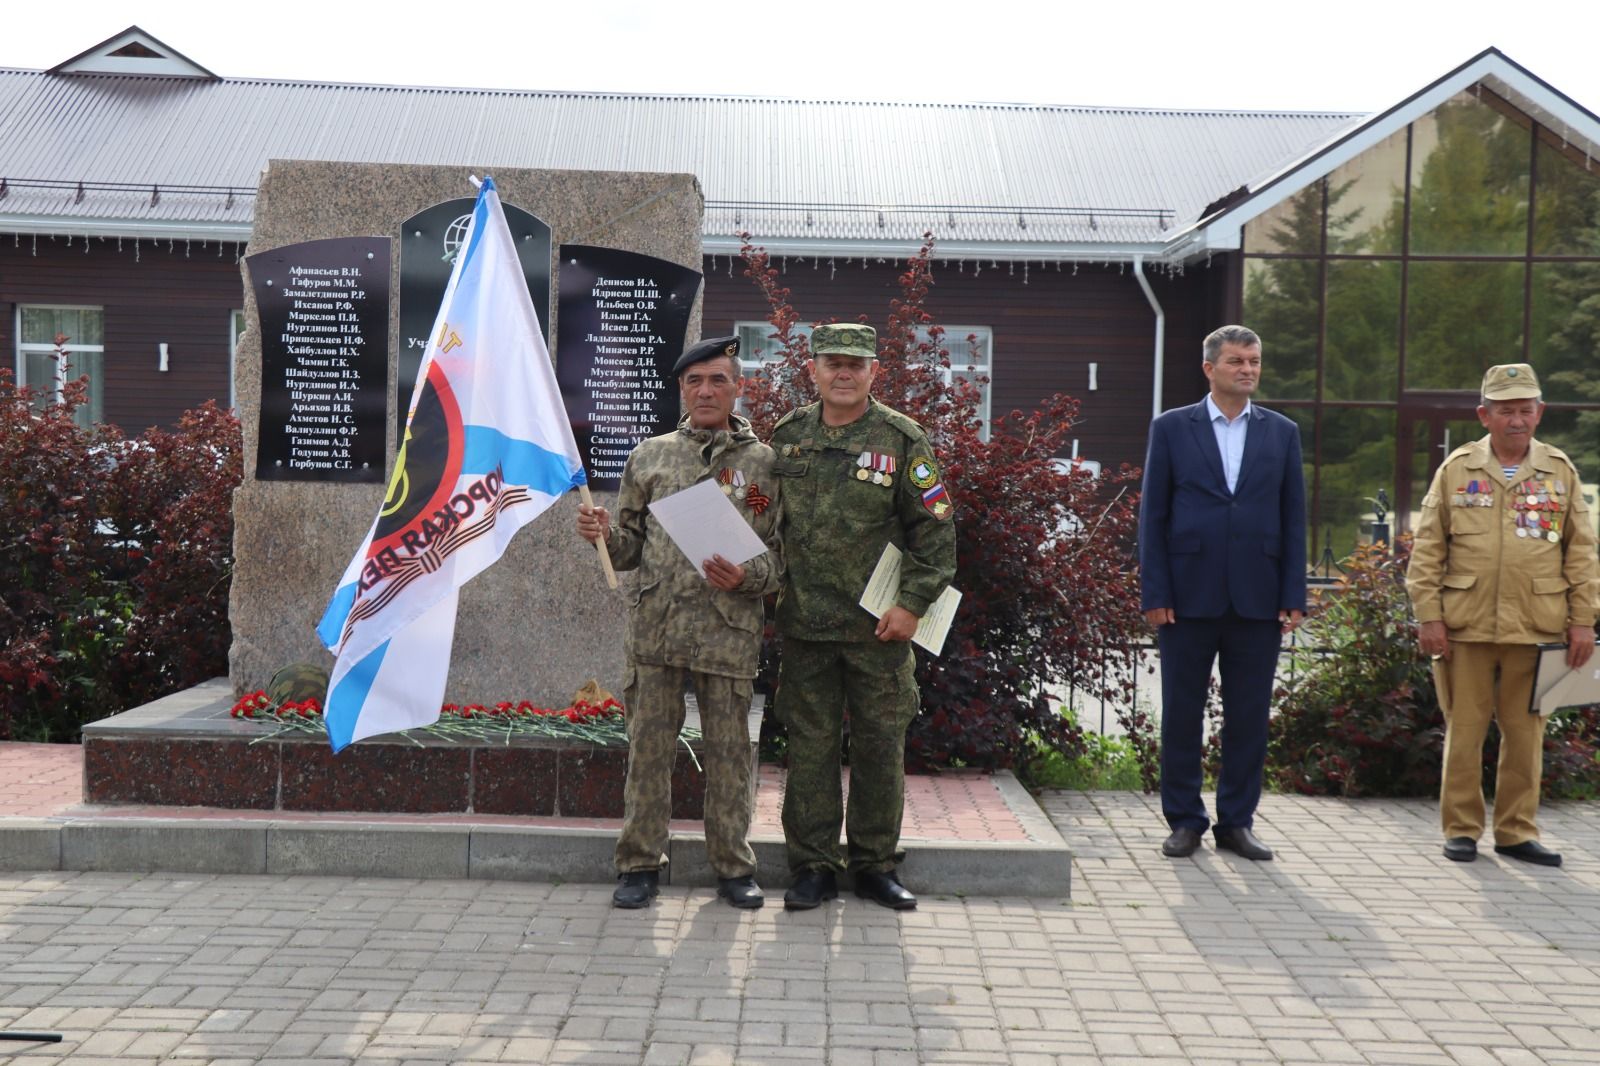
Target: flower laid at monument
x=597 y=723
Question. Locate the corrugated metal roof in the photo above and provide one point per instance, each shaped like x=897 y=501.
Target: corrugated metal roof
x=800 y=169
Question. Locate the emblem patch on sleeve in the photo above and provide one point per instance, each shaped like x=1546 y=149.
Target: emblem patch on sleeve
x=936 y=500
x=924 y=472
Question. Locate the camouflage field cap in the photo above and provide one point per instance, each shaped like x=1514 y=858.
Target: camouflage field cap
x=1513 y=381
x=300 y=681
x=845 y=339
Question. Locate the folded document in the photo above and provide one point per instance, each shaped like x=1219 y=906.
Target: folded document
x=883 y=588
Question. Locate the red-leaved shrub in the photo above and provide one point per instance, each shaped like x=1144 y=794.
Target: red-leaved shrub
x=115 y=555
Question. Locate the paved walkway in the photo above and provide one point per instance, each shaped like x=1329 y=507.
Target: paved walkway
x=1361 y=944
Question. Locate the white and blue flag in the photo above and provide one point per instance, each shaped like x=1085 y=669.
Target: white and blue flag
x=487 y=449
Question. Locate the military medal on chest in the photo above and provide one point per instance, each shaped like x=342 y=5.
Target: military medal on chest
x=1537 y=509
x=1474 y=494
x=875 y=467
x=731 y=480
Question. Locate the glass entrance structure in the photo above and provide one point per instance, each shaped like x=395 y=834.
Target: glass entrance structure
x=1384 y=290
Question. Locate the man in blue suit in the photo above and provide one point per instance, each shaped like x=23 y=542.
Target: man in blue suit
x=1222 y=557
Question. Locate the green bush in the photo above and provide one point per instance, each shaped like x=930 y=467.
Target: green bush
x=1101 y=762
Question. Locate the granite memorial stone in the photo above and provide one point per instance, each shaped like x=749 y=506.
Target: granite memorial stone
x=539 y=623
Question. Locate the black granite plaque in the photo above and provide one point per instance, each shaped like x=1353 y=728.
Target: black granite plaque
x=429 y=241
x=323 y=310
x=621 y=327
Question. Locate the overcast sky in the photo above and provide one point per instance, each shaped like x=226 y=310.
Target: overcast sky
x=1330 y=56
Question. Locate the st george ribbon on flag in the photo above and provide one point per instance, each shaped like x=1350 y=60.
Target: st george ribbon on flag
x=487 y=449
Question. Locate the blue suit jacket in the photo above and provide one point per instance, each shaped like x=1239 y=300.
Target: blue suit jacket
x=1203 y=549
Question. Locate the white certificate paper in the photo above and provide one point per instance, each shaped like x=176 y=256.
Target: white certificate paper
x=1555 y=686
x=703 y=522
x=883 y=587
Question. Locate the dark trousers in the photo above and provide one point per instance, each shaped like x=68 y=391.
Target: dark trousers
x=1245 y=651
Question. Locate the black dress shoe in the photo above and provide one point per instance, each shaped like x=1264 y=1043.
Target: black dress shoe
x=742 y=892
x=637 y=889
x=810 y=888
x=1529 y=851
x=884 y=889
x=1243 y=842
x=1183 y=843
x=1461 y=849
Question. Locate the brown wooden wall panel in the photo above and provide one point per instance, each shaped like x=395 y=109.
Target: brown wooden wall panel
x=1048 y=327
x=1049 y=324
x=8 y=320
x=182 y=294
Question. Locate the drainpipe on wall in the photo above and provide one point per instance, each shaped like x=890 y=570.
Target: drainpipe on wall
x=1161 y=334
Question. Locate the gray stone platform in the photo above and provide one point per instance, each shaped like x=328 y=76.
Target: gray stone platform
x=963 y=833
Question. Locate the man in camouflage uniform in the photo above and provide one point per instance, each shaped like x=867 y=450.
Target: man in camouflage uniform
x=704 y=622
x=856 y=476
x=1504 y=559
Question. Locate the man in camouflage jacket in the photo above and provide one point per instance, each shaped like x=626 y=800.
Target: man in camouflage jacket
x=856 y=476
x=701 y=622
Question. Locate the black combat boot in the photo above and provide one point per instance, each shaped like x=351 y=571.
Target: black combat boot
x=637 y=889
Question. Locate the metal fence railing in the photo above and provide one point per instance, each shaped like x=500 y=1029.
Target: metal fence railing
x=1138 y=662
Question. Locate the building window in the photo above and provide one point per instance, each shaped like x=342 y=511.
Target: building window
x=971 y=351
x=37 y=365
x=1384 y=290
x=235 y=331
x=758 y=351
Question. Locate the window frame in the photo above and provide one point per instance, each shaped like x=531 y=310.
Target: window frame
x=236 y=327
x=23 y=348
x=751 y=367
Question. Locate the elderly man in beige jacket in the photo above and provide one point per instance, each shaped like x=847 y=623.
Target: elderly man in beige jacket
x=1504 y=560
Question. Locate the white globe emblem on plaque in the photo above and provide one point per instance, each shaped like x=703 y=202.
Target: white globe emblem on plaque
x=455 y=235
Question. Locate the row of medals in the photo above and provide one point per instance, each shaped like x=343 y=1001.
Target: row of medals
x=1536 y=503
x=875 y=467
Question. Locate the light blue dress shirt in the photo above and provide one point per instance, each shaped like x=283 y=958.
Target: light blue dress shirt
x=1230 y=438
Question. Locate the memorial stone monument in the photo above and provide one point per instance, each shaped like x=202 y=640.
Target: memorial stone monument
x=540 y=622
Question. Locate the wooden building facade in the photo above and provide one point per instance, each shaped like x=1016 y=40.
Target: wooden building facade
x=1090 y=249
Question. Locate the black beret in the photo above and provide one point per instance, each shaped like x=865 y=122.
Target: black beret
x=714 y=348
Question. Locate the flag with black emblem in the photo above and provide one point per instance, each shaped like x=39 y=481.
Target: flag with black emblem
x=487 y=448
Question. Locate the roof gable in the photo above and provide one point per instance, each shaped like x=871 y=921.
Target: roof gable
x=1222 y=228
x=133 y=51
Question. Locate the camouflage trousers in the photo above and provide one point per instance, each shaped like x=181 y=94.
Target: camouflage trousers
x=817 y=681
x=654 y=701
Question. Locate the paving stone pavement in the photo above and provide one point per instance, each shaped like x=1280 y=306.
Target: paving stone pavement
x=1360 y=944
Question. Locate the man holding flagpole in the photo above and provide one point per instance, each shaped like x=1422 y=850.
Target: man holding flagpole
x=703 y=624
x=487 y=448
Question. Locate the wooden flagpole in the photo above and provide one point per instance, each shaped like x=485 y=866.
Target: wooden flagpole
x=605 y=556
